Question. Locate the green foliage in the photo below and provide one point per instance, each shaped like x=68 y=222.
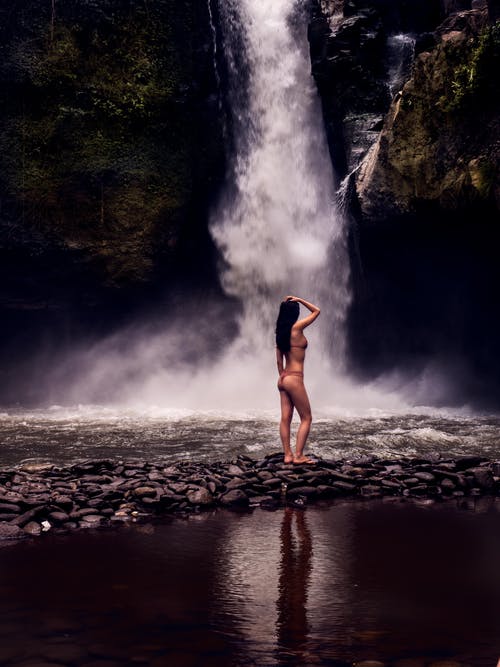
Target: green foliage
x=475 y=78
x=97 y=132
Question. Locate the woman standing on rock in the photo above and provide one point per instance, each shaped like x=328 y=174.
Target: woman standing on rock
x=290 y=354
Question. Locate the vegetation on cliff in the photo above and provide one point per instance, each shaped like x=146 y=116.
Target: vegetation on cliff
x=106 y=133
x=440 y=140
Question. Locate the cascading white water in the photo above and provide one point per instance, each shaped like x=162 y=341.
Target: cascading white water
x=277 y=224
x=400 y=55
x=279 y=231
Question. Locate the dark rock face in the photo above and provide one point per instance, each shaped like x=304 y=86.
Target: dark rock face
x=427 y=211
x=109 y=135
x=425 y=199
x=110 y=151
x=439 y=143
x=102 y=494
x=358 y=53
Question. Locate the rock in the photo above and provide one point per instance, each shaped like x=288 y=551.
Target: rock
x=272 y=482
x=9 y=531
x=142 y=491
x=200 y=497
x=370 y=663
x=466 y=462
x=24 y=518
x=339 y=477
x=408 y=164
x=236 y=483
x=447 y=485
x=345 y=487
x=64 y=502
x=234 y=498
x=92 y=519
x=235 y=470
x=9 y=508
x=483 y=478
x=307 y=491
x=58 y=517
x=370 y=490
x=425 y=476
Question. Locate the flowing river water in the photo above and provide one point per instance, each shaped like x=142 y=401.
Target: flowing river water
x=65 y=435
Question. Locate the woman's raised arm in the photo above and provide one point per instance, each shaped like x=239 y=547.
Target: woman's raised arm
x=306 y=321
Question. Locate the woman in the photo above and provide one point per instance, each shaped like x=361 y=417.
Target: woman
x=291 y=347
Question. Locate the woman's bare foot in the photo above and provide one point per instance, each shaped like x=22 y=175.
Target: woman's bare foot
x=301 y=460
x=288 y=458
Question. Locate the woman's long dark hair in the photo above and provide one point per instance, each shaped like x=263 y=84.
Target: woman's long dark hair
x=288 y=315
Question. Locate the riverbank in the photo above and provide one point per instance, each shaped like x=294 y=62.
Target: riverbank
x=36 y=499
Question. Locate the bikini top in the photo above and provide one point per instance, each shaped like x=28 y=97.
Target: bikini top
x=302 y=347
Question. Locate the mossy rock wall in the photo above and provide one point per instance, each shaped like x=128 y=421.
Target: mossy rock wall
x=110 y=144
x=440 y=141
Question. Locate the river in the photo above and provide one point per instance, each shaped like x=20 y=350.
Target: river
x=65 y=435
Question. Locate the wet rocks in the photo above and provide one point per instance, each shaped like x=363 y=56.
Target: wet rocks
x=96 y=494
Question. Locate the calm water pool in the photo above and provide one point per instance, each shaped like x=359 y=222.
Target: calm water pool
x=326 y=586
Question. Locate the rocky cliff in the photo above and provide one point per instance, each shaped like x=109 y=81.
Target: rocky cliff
x=440 y=142
x=110 y=147
x=418 y=129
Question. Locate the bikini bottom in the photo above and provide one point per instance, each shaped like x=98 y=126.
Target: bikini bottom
x=283 y=375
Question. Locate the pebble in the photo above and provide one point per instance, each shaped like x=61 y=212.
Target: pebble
x=104 y=492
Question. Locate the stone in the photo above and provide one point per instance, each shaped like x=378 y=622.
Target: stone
x=78 y=514
x=235 y=470
x=370 y=490
x=272 y=482
x=142 y=491
x=369 y=663
x=9 y=508
x=233 y=498
x=9 y=531
x=64 y=502
x=483 y=478
x=33 y=528
x=200 y=496
x=236 y=483
x=93 y=519
x=447 y=485
x=58 y=517
x=345 y=487
x=466 y=462
x=424 y=476
x=308 y=491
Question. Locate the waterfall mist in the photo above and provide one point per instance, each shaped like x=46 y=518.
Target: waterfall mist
x=278 y=231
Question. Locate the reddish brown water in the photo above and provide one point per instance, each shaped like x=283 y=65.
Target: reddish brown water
x=327 y=586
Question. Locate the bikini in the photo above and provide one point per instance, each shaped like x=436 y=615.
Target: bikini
x=298 y=373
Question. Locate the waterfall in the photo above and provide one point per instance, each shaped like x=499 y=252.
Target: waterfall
x=277 y=225
x=278 y=229
x=400 y=56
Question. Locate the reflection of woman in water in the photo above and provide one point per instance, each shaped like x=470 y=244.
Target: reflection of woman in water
x=295 y=570
x=291 y=348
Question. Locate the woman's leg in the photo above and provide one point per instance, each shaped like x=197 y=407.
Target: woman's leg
x=286 y=420
x=297 y=392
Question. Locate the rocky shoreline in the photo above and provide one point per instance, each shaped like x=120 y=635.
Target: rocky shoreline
x=36 y=499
